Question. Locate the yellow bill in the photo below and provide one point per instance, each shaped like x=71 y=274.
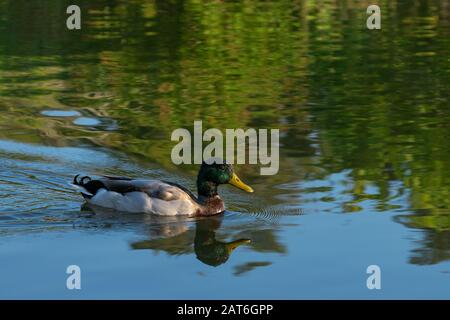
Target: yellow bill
x=235 y=181
x=234 y=244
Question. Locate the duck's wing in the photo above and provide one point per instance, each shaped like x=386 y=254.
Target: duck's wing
x=121 y=183
x=151 y=196
x=153 y=188
x=186 y=190
x=162 y=190
x=116 y=177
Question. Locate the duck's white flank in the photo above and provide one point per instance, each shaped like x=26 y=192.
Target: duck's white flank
x=156 y=197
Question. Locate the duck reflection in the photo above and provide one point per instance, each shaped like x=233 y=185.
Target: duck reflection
x=199 y=236
x=207 y=248
x=178 y=239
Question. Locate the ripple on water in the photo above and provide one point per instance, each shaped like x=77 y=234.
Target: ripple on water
x=87 y=121
x=105 y=124
x=60 y=113
x=82 y=120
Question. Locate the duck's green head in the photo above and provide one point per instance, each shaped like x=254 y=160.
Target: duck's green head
x=215 y=172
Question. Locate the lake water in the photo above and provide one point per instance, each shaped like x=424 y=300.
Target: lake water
x=364 y=118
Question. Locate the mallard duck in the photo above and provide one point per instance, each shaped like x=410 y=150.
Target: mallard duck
x=162 y=197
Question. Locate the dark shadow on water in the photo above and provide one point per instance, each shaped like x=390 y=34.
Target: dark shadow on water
x=208 y=249
x=204 y=237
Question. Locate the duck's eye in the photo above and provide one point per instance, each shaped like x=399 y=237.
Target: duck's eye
x=222 y=166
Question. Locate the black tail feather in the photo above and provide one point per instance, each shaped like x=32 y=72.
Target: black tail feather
x=91 y=186
x=80 y=182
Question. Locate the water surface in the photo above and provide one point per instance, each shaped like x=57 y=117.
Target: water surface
x=364 y=154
